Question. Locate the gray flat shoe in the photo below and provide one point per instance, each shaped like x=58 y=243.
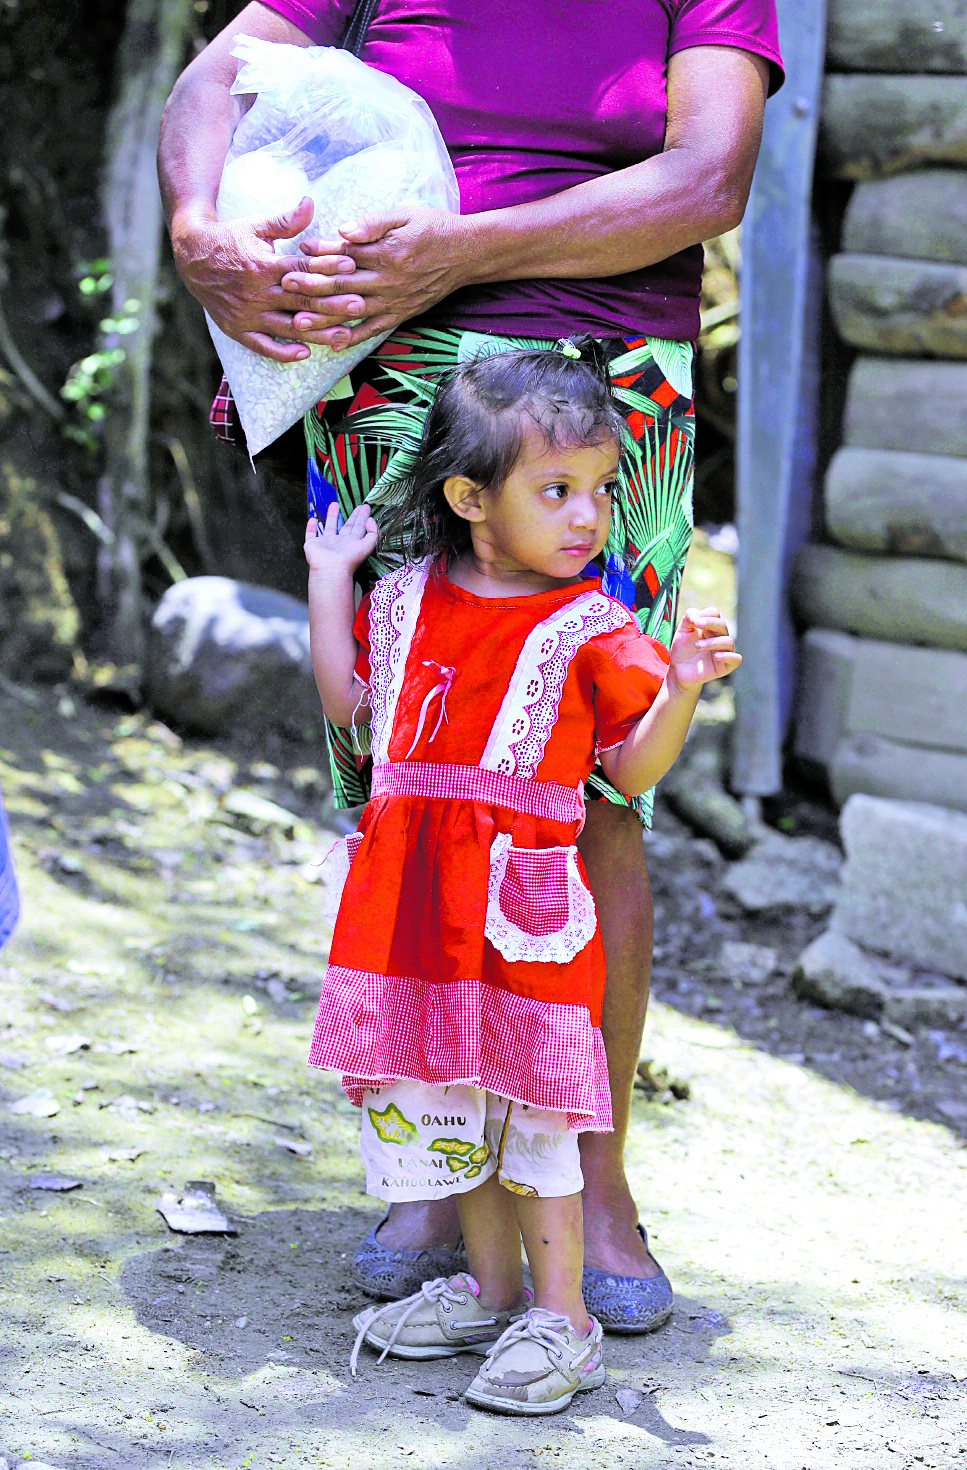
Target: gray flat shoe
x=391 y=1275
x=628 y=1303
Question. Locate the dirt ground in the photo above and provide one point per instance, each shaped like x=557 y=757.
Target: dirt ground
x=808 y=1201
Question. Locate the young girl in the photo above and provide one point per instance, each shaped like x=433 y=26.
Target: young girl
x=462 y=1002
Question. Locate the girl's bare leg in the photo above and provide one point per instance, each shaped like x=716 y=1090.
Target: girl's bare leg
x=493 y=1222
x=492 y=1238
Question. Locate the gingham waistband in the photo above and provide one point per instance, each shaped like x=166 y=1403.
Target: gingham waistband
x=474 y=783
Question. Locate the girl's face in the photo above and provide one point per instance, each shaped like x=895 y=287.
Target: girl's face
x=550 y=517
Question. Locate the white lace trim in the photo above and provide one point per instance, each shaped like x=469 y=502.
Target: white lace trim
x=393 y=610
x=337 y=862
x=529 y=709
x=560 y=945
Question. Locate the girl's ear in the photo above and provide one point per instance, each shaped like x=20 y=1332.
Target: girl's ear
x=463 y=497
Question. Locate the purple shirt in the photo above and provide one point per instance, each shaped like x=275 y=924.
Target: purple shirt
x=534 y=97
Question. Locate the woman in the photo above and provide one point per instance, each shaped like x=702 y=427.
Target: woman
x=596 y=143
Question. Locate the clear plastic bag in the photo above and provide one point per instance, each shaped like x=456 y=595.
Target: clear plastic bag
x=353 y=139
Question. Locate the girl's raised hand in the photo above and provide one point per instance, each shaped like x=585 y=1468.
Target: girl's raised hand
x=341 y=550
x=702 y=649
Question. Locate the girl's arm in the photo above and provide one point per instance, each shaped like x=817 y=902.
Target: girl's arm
x=702 y=650
x=333 y=555
x=695 y=188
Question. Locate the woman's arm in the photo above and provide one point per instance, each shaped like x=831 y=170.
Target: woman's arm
x=702 y=650
x=231 y=267
x=695 y=189
x=333 y=555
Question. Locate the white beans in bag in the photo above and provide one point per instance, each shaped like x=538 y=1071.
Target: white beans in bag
x=353 y=139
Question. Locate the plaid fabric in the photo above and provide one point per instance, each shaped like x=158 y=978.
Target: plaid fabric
x=534 y=893
x=545 y=799
x=356 y=445
x=223 y=416
x=376 y=1029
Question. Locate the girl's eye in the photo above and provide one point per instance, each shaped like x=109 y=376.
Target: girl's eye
x=556 y=492
x=608 y=488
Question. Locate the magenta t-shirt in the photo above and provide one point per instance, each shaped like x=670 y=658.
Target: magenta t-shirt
x=534 y=96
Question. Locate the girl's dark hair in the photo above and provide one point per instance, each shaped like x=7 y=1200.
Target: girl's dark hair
x=475 y=427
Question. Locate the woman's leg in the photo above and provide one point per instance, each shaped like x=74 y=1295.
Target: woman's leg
x=613 y=853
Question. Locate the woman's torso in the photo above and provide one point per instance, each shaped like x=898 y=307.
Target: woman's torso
x=532 y=100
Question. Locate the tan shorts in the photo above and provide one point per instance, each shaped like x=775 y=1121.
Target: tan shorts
x=421 y=1142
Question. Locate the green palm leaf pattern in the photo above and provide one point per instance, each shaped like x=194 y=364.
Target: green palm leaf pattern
x=365 y=451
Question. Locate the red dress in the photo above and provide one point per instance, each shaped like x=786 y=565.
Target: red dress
x=466 y=946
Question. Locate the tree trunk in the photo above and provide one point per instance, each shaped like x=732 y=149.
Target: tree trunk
x=150 y=57
x=921 y=215
x=908 y=307
x=897 y=36
x=881 y=125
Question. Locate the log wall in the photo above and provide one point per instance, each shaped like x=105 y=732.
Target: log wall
x=882 y=700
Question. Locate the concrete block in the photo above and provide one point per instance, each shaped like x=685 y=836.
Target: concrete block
x=899 y=599
x=915 y=308
x=917 y=695
x=785 y=872
x=834 y=972
x=934 y=1005
x=878 y=767
x=896 y=36
x=905 y=503
x=875 y=125
x=908 y=405
x=903 y=888
x=822 y=699
x=920 y=215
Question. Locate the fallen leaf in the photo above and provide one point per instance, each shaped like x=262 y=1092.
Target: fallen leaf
x=294 y=1146
x=196 y=1212
x=121 y=1155
x=628 y=1400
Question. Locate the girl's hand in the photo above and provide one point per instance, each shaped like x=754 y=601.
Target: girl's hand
x=702 y=649
x=405 y=263
x=341 y=551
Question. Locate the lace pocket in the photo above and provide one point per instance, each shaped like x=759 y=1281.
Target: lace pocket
x=538 y=907
x=337 y=862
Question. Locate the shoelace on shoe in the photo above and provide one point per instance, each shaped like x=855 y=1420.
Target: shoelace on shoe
x=548 y=1328
x=431 y=1291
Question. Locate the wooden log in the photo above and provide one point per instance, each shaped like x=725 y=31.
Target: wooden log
x=908 y=504
x=875 y=125
x=910 y=307
x=897 y=35
x=922 y=215
x=822 y=698
x=915 y=695
x=900 y=772
x=900 y=599
x=907 y=404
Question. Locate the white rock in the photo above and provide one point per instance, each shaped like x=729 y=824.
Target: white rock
x=834 y=972
x=904 y=882
x=749 y=964
x=225 y=655
x=785 y=872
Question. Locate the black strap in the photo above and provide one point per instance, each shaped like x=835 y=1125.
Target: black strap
x=355 y=33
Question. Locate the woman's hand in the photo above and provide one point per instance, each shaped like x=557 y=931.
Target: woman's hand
x=334 y=549
x=404 y=263
x=232 y=268
x=702 y=649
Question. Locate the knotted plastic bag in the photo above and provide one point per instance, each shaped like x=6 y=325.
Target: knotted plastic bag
x=355 y=141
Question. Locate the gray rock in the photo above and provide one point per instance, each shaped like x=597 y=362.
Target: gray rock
x=900 y=599
x=834 y=972
x=827 y=659
x=896 y=36
x=891 y=768
x=785 y=872
x=940 y=1005
x=920 y=216
x=910 y=504
x=874 y=125
x=880 y=398
x=224 y=655
x=909 y=307
x=904 y=882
